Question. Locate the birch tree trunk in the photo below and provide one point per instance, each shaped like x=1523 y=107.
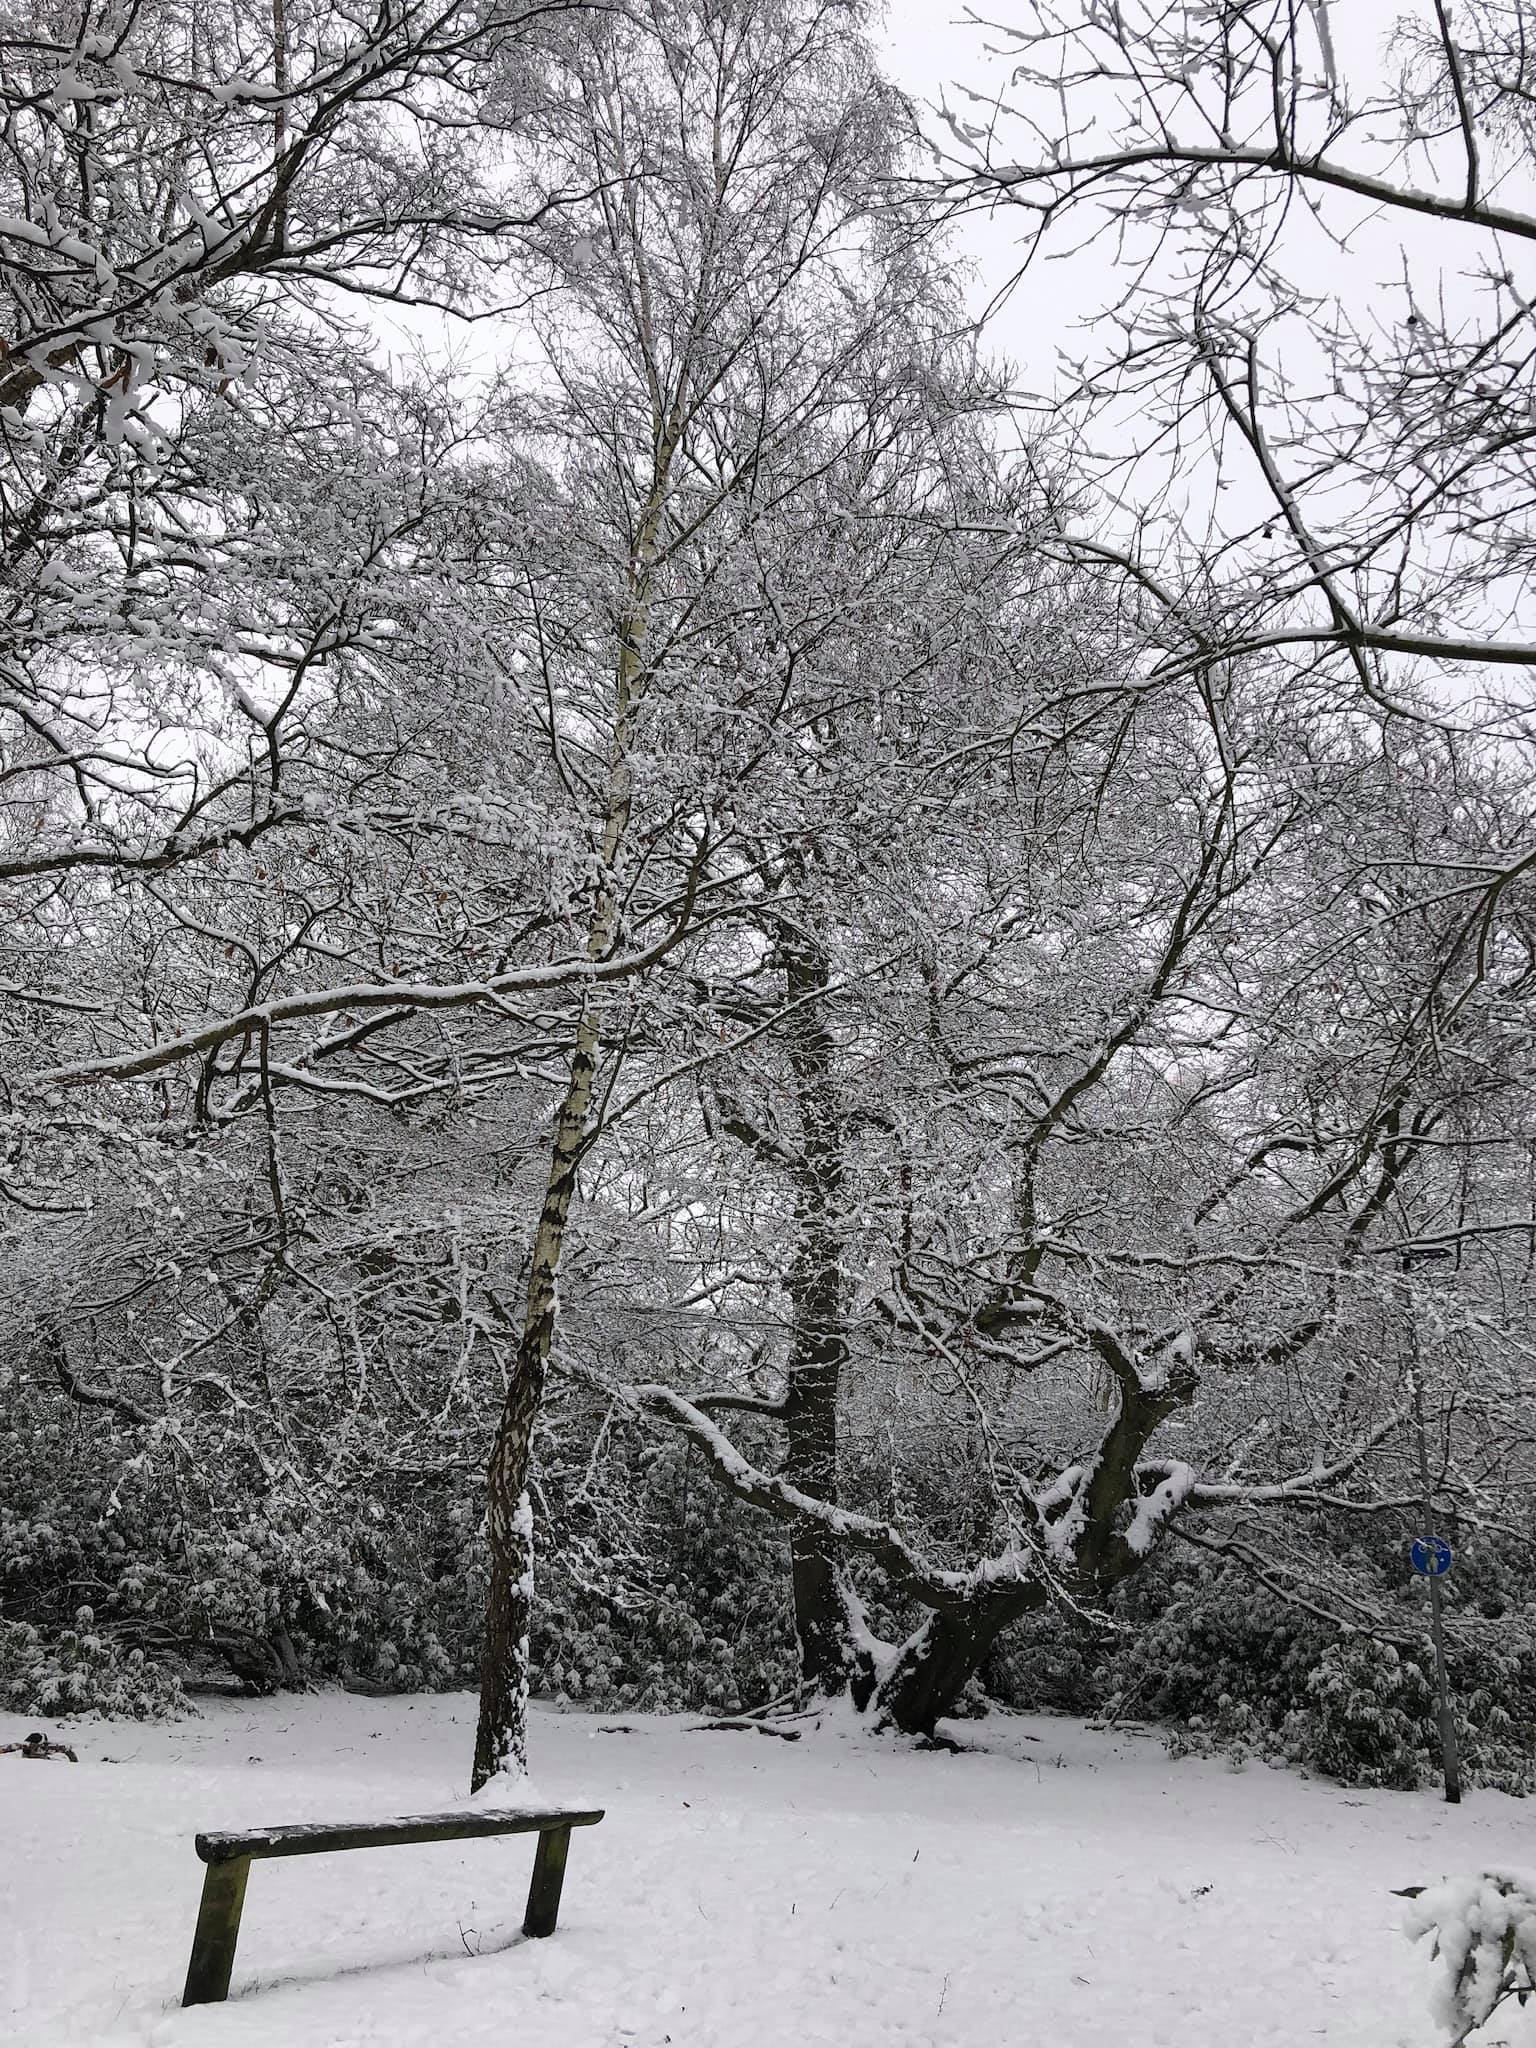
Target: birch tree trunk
x=501 y=1732
x=729 y=152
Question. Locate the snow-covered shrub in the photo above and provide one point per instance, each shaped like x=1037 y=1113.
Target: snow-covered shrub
x=1198 y=1649
x=1367 y=1713
x=207 y=1574
x=1483 y=1931
x=1050 y=1662
x=1233 y=1669
x=1494 y=1699
x=1234 y=1730
x=653 y=1591
x=1211 y=1648
x=696 y=1615
x=78 y=1671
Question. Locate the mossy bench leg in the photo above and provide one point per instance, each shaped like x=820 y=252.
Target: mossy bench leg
x=218 y=1929
x=548 y=1876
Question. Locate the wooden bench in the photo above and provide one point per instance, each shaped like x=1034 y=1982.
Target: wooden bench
x=229 y=1858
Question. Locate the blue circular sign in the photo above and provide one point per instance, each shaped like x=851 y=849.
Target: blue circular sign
x=1430 y=1556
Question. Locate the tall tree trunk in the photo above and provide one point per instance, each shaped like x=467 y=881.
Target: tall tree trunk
x=824 y=1602
x=501 y=1731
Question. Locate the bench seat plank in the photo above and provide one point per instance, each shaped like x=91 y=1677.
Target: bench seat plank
x=313 y=1838
x=229 y=1856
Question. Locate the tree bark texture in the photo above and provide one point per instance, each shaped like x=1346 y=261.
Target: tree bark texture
x=501 y=1730
x=934 y=1666
x=824 y=1602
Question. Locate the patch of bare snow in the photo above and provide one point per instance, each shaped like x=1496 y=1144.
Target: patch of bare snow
x=1055 y=1885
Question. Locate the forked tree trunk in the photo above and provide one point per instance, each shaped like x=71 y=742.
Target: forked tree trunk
x=933 y=1667
x=930 y=1671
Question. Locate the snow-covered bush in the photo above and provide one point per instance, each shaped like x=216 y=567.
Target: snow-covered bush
x=77 y=1671
x=1483 y=1930
x=1221 y=1664
x=1202 y=1644
x=654 y=1592
x=696 y=1617
x=1366 y=1717
x=1050 y=1662
x=1232 y=1669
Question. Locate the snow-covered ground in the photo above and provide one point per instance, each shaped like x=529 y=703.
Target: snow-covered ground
x=1065 y=1888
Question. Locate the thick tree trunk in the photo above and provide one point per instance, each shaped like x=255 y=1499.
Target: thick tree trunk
x=824 y=1602
x=501 y=1733
x=810 y=1463
x=933 y=1667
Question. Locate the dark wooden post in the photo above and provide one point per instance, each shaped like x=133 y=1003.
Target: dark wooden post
x=218 y=1929
x=548 y=1876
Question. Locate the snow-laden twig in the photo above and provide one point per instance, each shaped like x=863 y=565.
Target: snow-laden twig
x=1483 y=1932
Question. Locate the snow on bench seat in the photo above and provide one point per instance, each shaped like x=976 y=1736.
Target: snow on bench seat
x=230 y=1854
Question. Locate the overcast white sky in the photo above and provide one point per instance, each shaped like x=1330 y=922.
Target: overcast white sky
x=932 y=49
x=929 y=50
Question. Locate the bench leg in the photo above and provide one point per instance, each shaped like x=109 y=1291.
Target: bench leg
x=548 y=1876
x=218 y=1929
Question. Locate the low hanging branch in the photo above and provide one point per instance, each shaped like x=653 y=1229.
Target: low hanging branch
x=402 y=995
